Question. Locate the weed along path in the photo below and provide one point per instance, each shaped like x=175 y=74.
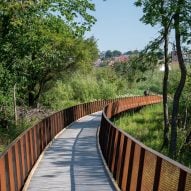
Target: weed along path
x=73 y=161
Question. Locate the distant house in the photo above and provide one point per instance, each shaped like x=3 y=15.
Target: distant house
x=111 y=63
x=97 y=62
x=121 y=58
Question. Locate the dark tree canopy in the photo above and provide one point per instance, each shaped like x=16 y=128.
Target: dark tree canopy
x=42 y=39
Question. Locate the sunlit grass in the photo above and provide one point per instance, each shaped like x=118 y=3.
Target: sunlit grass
x=145 y=125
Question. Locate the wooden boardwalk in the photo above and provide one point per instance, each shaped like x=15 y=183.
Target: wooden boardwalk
x=73 y=161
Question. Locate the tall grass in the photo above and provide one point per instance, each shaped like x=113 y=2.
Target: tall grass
x=146 y=126
x=80 y=88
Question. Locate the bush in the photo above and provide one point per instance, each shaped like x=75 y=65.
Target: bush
x=58 y=97
x=6 y=111
x=80 y=88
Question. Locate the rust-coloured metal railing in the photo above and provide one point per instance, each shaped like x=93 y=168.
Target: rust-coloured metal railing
x=133 y=165
x=19 y=158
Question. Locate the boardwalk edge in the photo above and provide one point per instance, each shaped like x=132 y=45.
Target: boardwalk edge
x=26 y=185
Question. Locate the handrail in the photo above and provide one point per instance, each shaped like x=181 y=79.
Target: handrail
x=133 y=165
x=19 y=158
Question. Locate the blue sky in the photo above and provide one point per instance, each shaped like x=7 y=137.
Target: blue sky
x=118 y=26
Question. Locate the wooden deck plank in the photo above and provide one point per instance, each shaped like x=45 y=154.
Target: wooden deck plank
x=72 y=162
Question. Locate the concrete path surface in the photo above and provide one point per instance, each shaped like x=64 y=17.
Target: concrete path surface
x=73 y=162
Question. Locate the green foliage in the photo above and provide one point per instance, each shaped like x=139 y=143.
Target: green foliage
x=131 y=52
x=153 y=82
x=138 y=68
x=58 y=97
x=110 y=54
x=7 y=135
x=116 y=53
x=80 y=88
x=173 y=81
x=170 y=15
x=6 y=111
x=40 y=40
x=145 y=125
x=50 y=49
x=76 y=13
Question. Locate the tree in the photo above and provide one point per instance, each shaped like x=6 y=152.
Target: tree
x=54 y=52
x=157 y=12
x=116 y=53
x=170 y=14
x=134 y=69
x=36 y=45
x=182 y=26
x=108 y=54
x=128 y=52
x=75 y=13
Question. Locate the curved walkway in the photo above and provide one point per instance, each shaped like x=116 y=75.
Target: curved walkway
x=73 y=161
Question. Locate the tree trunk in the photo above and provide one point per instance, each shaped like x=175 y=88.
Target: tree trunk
x=31 y=96
x=31 y=101
x=185 y=118
x=31 y=85
x=166 y=26
x=15 y=104
x=175 y=110
x=5 y=25
x=165 y=91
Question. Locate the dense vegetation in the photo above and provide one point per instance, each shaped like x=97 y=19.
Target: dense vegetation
x=171 y=16
x=40 y=41
x=46 y=63
x=99 y=83
x=152 y=131
x=146 y=126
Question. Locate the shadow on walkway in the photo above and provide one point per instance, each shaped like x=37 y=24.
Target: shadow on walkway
x=73 y=161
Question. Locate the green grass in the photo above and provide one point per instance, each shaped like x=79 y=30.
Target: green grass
x=147 y=127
